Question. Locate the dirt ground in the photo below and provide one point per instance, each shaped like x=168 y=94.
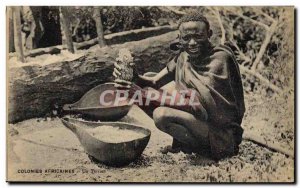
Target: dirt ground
x=41 y=145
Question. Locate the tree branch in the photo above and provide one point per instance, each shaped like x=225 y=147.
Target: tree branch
x=266 y=27
x=271 y=146
x=261 y=78
x=266 y=15
x=233 y=42
x=248 y=59
x=264 y=45
x=172 y=9
x=217 y=14
x=76 y=27
x=241 y=54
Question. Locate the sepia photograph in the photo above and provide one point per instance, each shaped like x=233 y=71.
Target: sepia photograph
x=150 y=94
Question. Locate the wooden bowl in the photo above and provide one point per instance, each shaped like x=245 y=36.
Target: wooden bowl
x=111 y=154
x=89 y=105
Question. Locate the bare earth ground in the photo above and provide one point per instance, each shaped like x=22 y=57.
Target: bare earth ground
x=49 y=145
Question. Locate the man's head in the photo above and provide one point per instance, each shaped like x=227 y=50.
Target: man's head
x=194 y=34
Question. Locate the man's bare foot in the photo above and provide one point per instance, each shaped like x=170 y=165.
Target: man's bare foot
x=170 y=149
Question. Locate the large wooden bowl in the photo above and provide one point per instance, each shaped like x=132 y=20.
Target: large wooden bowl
x=111 y=154
x=90 y=107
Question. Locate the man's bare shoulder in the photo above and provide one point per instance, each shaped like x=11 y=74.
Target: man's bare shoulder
x=220 y=58
x=222 y=53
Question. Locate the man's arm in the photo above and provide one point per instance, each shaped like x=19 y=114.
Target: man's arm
x=157 y=77
x=156 y=81
x=165 y=76
x=215 y=88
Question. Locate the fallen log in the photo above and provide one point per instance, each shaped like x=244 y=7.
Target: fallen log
x=33 y=89
x=41 y=51
x=126 y=36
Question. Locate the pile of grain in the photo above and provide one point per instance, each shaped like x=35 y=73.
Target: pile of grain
x=112 y=134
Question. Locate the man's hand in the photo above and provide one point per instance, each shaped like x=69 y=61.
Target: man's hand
x=117 y=70
x=148 y=79
x=122 y=84
x=119 y=83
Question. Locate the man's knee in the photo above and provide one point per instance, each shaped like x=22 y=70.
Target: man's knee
x=169 y=87
x=160 y=117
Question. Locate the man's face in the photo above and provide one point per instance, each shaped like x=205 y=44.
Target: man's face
x=194 y=37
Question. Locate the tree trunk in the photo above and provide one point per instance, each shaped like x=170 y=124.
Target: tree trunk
x=65 y=23
x=17 y=34
x=10 y=29
x=97 y=16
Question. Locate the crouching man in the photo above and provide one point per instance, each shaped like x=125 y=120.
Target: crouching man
x=213 y=127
